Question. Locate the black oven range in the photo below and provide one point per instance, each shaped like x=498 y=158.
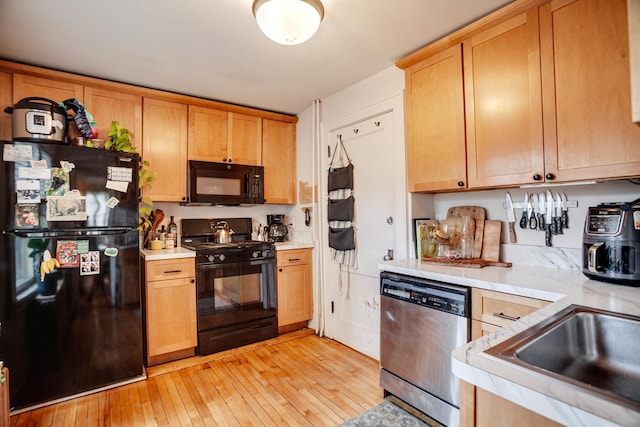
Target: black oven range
x=236 y=285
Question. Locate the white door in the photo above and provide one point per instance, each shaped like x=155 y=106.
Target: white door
x=374 y=141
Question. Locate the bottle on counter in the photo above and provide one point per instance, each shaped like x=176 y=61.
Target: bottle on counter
x=173 y=228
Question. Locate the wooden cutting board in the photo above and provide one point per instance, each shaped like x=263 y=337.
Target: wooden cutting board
x=472 y=263
x=491 y=240
x=478 y=213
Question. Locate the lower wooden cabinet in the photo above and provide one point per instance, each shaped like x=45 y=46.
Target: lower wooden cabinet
x=294 y=284
x=481 y=408
x=170 y=310
x=491 y=311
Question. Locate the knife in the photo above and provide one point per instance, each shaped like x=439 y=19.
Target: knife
x=542 y=213
x=511 y=219
x=532 y=211
x=565 y=209
x=551 y=207
x=525 y=213
x=559 y=213
x=549 y=220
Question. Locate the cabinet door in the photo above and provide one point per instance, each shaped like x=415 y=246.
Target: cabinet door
x=165 y=148
x=435 y=123
x=279 y=161
x=494 y=411
x=295 y=301
x=6 y=91
x=294 y=294
x=245 y=139
x=586 y=90
x=503 y=104
x=207 y=134
x=171 y=316
x=27 y=86
x=108 y=105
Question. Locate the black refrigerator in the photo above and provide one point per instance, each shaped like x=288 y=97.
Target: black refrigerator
x=73 y=324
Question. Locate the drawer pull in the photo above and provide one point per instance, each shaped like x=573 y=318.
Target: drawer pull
x=504 y=316
x=294 y=259
x=172 y=271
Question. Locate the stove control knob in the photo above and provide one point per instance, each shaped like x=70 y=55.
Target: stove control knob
x=221 y=257
x=255 y=254
x=211 y=258
x=265 y=253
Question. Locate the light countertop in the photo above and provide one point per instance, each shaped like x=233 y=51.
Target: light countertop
x=283 y=246
x=556 y=400
x=162 y=254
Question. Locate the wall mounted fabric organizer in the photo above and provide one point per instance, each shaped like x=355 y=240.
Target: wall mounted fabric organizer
x=340 y=205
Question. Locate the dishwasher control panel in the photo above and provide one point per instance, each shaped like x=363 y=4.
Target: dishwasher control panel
x=440 y=296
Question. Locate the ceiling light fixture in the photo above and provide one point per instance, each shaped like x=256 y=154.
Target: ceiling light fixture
x=288 y=22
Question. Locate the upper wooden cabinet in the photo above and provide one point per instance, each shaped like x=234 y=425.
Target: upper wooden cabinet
x=164 y=146
x=504 y=104
x=245 y=139
x=221 y=136
x=279 y=160
x=207 y=134
x=106 y=105
x=586 y=90
x=434 y=115
x=6 y=100
x=26 y=86
x=546 y=99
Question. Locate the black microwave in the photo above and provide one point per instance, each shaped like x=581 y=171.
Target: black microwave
x=213 y=183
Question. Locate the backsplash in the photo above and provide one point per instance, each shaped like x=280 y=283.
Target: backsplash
x=564 y=258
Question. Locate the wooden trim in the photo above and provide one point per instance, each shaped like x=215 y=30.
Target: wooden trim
x=503 y=14
x=14 y=67
x=4 y=399
x=169 y=357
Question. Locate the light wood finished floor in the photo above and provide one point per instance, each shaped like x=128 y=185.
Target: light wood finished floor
x=297 y=379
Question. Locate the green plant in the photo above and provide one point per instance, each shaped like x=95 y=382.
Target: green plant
x=145 y=180
x=37 y=246
x=120 y=139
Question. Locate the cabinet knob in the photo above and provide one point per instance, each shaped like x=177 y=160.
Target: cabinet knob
x=230 y=160
x=193 y=280
x=537 y=177
x=460 y=183
x=550 y=176
x=280 y=270
x=224 y=159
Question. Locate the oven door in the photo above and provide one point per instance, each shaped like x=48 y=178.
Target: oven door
x=235 y=293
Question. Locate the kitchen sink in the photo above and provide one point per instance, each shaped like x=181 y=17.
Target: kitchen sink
x=596 y=350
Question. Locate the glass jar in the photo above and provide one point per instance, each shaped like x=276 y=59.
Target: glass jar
x=466 y=238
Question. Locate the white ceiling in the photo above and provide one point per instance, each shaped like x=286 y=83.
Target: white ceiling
x=214 y=49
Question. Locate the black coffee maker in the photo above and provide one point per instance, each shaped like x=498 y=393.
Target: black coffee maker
x=611 y=243
x=276 y=229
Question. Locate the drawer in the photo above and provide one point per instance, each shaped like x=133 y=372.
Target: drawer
x=170 y=269
x=293 y=257
x=500 y=309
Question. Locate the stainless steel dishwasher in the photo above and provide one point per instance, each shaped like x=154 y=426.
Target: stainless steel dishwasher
x=421 y=322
